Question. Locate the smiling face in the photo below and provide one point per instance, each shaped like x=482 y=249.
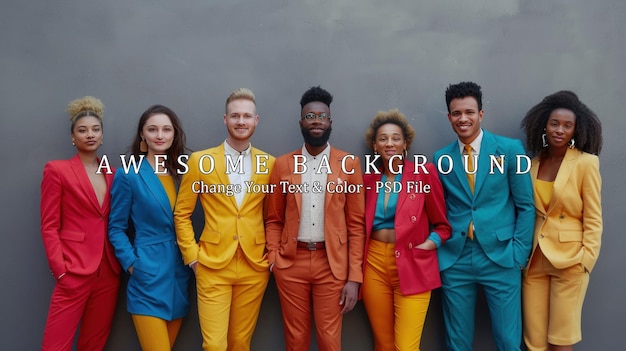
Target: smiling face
x=316 y=132
x=241 y=119
x=158 y=132
x=465 y=118
x=560 y=128
x=389 y=141
x=87 y=134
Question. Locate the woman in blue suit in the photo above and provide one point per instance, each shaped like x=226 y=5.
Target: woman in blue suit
x=143 y=194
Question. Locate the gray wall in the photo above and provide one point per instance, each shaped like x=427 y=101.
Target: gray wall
x=190 y=54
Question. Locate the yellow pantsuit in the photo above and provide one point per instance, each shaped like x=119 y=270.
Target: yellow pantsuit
x=566 y=244
x=232 y=269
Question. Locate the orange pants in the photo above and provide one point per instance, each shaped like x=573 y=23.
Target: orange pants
x=397 y=320
x=310 y=286
x=86 y=300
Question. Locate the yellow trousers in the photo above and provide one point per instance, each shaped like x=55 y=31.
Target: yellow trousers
x=397 y=320
x=552 y=303
x=156 y=334
x=229 y=301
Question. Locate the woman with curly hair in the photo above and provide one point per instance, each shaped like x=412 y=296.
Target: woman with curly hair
x=74 y=216
x=157 y=293
x=404 y=229
x=565 y=137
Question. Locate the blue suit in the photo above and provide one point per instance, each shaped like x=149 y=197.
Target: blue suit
x=502 y=211
x=159 y=284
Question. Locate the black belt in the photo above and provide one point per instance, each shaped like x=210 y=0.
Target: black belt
x=311 y=246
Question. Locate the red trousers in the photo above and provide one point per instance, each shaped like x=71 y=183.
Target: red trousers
x=88 y=301
x=309 y=286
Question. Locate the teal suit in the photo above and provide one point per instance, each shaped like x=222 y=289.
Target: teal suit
x=502 y=210
x=159 y=284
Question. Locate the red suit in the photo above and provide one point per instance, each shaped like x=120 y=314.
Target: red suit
x=74 y=232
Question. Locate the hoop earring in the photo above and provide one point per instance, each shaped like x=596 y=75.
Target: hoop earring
x=571 y=143
x=405 y=153
x=543 y=140
x=143 y=147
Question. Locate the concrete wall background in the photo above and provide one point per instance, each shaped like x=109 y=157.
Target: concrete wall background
x=189 y=55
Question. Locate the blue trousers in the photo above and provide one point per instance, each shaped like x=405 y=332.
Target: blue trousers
x=502 y=288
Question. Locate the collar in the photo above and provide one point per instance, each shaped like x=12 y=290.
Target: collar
x=474 y=144
x=325 y=152
x=230 y=151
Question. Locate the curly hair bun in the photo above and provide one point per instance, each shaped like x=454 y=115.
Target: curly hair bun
x=87 y=105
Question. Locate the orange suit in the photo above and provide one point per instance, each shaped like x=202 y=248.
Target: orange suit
x=344 y=234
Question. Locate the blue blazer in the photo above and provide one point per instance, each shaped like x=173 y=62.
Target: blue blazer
x=502 y=206
x=159 y=284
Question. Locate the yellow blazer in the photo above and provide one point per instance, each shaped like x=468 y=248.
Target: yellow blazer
x=225 y=224
x=569 y=231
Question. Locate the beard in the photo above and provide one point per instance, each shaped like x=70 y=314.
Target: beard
x=316 y=141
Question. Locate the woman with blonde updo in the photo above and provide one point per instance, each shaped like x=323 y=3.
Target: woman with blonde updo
x=74 y=216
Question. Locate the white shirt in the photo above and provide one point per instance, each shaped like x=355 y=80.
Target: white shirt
x=312 y=213
x=241 y=172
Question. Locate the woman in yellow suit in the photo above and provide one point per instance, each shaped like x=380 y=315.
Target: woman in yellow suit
x=565 y=136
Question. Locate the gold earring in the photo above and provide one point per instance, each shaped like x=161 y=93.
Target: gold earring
x=143 y=147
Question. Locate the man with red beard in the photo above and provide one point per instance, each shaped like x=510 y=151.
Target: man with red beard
x=315 y=236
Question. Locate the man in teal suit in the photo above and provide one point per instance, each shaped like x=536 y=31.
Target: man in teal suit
x=490 y=208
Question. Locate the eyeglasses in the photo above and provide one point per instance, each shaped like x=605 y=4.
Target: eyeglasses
x=322 y=117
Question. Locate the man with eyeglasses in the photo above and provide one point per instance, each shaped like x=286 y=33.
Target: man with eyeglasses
x=315 y=236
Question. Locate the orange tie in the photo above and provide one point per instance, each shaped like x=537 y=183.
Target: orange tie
x=470 y=180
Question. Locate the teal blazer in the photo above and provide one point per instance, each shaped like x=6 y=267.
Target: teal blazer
x=159 y=284
x=502 y=206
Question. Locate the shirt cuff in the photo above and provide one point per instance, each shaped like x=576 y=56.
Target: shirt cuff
x=435 y=238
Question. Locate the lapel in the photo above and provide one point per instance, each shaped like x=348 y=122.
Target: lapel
x=458 y=168
x=83 y=179
x=146 y=172
x=407 y=175
x=566 y=168
x=334 y=161
x=296 y=179
x=254 y=177
x=370 y=199
x=487 y=148
x=534 y=169
x=219 y=157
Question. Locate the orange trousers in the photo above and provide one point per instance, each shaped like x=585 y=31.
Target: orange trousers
x=397 y=320
x=309 y=286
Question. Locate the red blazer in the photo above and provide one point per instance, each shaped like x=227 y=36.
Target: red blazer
x=417 y=214
x=344 y=230
x=73 y=225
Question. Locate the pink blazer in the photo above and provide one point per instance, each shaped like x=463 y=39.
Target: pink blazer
x=73 y=224
x=417 y=215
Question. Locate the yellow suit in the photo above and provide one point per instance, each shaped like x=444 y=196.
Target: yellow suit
x=232 y=270
x=566 y=245
x=569 y=231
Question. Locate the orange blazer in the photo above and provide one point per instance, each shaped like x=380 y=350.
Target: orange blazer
x=569 y=231
x=344 y=223
x=73 y=224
